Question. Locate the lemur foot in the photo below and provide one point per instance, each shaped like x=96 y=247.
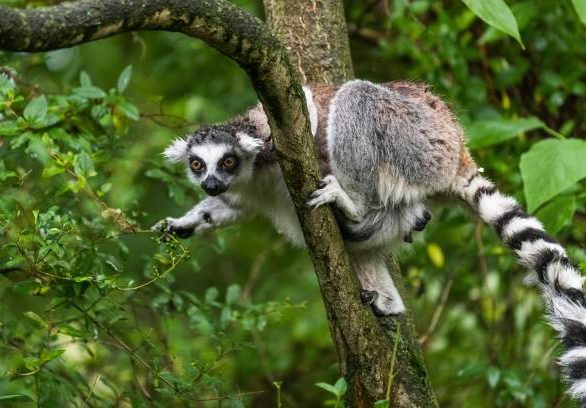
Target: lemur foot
x=386 y=306
x=172 y=226
x=330 y=191
x=382 y=305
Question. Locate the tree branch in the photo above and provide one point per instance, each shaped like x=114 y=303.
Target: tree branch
x=249 y=42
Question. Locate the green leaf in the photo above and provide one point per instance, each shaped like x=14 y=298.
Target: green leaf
x=129 y=110
x=580 y=6
x=382 y=404
x=493 y=376
x=51 y=355
x=328 y=387
x=90 y=92
x=84 y=79
x=36 y=110
x=124 y=79
x=9 y=128
x=497 y=14
x=232 y=294
x=15 y=397
x=550 y=167
x=84 y=166
x=341 y=386
x=484 y=133
x=557 y=213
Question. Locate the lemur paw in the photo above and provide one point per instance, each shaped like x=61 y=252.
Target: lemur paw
x=386 y=306
x=172 y=226
x=330 y=191
x=326 y=193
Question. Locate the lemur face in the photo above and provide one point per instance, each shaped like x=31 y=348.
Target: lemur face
x=216 y=156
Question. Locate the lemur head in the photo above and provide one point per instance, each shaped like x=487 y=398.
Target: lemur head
x=217 y=156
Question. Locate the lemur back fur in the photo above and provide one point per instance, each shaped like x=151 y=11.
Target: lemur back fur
x=386 y=149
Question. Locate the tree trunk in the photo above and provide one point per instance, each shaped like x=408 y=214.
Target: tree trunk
x=315 y=35
x=363 y=346
x=314 y=32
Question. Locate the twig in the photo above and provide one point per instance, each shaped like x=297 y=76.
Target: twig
x=423 y=340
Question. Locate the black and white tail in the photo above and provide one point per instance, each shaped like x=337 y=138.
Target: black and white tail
x=559 y=281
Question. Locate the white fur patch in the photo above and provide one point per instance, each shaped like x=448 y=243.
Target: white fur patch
x=530 y=252
x=210 y=154
x=311 y=109
x=492 y=207
x=248 y=143
x=519 y=224
x=565 y=275
x=562 y=309
x=573 y=355
x=176 y=151
x=578 y=390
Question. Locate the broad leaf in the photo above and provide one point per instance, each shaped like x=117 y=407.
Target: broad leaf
x=90 y=92
x=497 y=14
x=36 y=110
x=550 y=167
x=490 y=132
x=557 y=213
x=580 y=6
x=124 y=79
x=328 y=387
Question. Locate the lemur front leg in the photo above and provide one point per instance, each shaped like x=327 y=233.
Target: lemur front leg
x=209 y=213
x=330 y=191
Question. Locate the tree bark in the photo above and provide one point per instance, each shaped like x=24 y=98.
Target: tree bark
x=362 y=344
x=315 y=35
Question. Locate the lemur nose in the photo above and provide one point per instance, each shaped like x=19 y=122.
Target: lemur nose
x=212 y=186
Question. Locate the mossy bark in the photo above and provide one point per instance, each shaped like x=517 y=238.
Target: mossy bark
x=315 y=35
x=364 y=348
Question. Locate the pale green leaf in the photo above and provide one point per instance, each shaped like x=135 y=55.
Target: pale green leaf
x=84 y=79
x=232 y=294
x=550 y=167
x=328 y=387
x=90 y=92
x=124 y=79
x=484 y=133
x=497 y=14
x=580 y=6
x=129 y=110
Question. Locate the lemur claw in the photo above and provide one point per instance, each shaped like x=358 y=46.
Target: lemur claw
x=408 y=238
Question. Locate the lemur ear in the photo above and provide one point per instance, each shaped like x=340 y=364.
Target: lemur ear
x=248 y=143
x=177 y=151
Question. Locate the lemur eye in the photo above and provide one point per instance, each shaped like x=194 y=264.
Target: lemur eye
x=196 y=165
x=230 y=162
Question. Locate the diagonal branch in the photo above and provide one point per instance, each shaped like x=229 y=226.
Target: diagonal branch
x=249 y=42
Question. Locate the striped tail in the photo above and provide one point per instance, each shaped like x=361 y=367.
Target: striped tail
x=559 y=281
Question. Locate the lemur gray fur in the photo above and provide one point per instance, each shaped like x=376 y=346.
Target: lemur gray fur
x=386 y=149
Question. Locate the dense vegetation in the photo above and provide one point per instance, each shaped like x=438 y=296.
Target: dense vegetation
x=97 y=311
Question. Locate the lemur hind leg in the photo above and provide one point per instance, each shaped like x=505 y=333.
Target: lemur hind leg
x=330 y=191
x=415 y=220
x=378 y=287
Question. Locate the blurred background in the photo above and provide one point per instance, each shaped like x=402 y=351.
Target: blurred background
x=96 y=312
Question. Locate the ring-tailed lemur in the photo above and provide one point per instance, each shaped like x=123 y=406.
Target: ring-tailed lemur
x=386 y=149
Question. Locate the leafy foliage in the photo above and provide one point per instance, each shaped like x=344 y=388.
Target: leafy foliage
x=97 y=311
